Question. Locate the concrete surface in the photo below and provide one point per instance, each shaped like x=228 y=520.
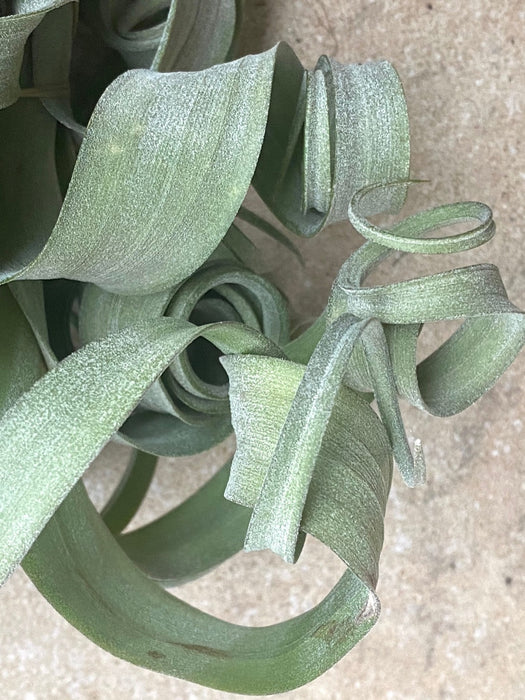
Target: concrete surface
x=452 y=572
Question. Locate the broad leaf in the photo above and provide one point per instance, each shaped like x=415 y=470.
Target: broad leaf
x=191 y=142
x=77 y=564
x=44 y=452
x=332 y=461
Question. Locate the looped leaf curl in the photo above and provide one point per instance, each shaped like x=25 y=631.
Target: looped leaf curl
x=354 y=124
x=191 y=142
x=145 y=214
x=189 y=403
x=456 y=374
x=405 y=235
x=83 y=572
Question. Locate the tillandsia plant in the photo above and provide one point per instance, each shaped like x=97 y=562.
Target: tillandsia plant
x=131 y=312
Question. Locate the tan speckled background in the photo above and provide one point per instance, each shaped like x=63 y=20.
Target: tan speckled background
x=452 y=579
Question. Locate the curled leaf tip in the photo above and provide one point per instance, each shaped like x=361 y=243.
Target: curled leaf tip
x=420 y=469
x=407 y=235
x=133 y=314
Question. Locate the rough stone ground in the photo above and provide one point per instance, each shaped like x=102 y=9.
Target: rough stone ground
x=452 y=571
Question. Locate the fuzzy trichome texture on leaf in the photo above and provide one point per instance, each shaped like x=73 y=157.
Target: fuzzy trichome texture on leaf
x=132 y=311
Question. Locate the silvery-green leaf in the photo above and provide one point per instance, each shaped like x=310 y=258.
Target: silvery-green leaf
x=77 y=564
x=21 y=362
x=194 y=390
x=190 y=539
x=265 y=395
x=162 y=171
x=477 y=353
x=166 y=36
x=355 y=134
x=198 y=34
x=52 y=433
x=281 y=498
x=130 y=491
x=15 y=30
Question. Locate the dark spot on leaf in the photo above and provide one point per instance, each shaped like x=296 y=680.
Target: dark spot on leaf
x=429 y=5
x=452 y=565
x=508 y=580
x=156 y=654
x=326 y=630
x=335 y=632
x=209 y=651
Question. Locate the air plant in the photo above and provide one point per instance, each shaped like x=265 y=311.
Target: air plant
x=131 y=312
